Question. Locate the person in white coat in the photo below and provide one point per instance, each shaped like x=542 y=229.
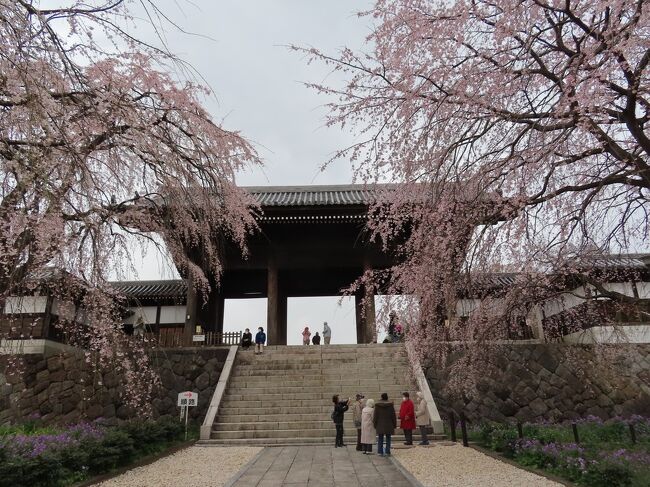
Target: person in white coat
x=422 y=419
x=368 y=432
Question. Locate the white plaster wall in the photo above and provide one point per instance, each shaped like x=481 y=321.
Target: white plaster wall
x=464 y=307
x=25 y=304
x=148 y=314
x=534 y=321
x=64 y=309
x=620 y=287
x=172 y=314
x=563 y=302
x=610 y=334
x=644 y=289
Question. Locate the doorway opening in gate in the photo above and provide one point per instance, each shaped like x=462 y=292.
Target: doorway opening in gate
x=240 y=314
x=312 y=311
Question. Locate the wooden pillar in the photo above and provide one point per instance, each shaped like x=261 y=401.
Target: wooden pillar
x=358 y=308
x=272 y=306
x=47 y=317
x=282 y=319
x=191 y=310
x=211 y=315
x=220 y=307
x=370 y=327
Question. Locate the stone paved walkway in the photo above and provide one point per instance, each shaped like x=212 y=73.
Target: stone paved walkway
x=320 y=466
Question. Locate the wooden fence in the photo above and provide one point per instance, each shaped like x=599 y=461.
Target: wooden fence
x=174 y=337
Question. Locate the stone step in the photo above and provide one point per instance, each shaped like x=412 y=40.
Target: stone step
x=320 y=415
x=277 y=376
x=277 y=442
x=316 y=358
x=316 y=391
x=283 y=408
x=354 y=348
x=247 y=395
x=288 y=433
x=253 y=382
x=350 y=367
x=342 y=362
x=321 y=423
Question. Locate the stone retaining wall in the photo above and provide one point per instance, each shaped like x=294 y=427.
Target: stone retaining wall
x=532 y=382
x=62 y=388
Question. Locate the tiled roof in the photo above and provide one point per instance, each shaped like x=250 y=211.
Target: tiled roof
x=176 y=288
x=619 y=261
x=348 y=194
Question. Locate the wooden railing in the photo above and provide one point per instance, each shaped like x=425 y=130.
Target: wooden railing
x=228 y=338
x=174 y=337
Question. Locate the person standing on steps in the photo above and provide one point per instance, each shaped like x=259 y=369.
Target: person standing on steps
x=340 y=407
x=316 y=339
x=260 y=340
x=385 y=421
x=246 y=339
x=422 y=418
x=407 y=418
x=327 y=333
x=306 y=334
x=368 y=432
x=357 y=407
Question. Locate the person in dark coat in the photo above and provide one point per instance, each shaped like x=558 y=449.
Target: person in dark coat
x=407 y=418
x=340 y=407
x=260 y=339
x=316 y=339
x=385 y=422
x=246 y=339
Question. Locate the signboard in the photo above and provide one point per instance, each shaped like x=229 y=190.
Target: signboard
x=198 y=338
x=188 y=399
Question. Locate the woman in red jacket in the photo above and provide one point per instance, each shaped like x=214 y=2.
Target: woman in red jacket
x=407 y=418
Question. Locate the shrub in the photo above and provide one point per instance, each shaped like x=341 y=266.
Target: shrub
x=63 y=457
x=606 y=474
x=499 y=437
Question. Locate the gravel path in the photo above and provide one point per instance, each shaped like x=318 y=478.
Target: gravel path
x=453 y=465
x=191 y=467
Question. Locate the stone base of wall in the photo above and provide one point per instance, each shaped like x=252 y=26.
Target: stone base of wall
x=556 y=382
x=63 y=388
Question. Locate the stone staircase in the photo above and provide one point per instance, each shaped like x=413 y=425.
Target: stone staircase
x=284 y=397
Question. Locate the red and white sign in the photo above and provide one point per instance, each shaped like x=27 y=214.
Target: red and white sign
x=188 y=398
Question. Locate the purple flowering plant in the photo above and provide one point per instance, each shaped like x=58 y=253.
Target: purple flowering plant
x=614 y=452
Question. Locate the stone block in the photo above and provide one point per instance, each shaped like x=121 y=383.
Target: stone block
x=54 y=389
x=178 y=368
x=168 y=379
x=46 y=408
x=58 y=376
x=108 y=411
x=124 y=412
x=538 y=407
x=55 y=363
x=202 y=381
x=40 y=365
x=43 y=376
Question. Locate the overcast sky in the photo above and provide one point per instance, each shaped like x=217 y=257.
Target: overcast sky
x=257 y=83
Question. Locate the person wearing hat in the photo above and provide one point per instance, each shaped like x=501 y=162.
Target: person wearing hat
x=357 y=408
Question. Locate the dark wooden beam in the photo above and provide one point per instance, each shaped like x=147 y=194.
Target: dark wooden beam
x=272 y=308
